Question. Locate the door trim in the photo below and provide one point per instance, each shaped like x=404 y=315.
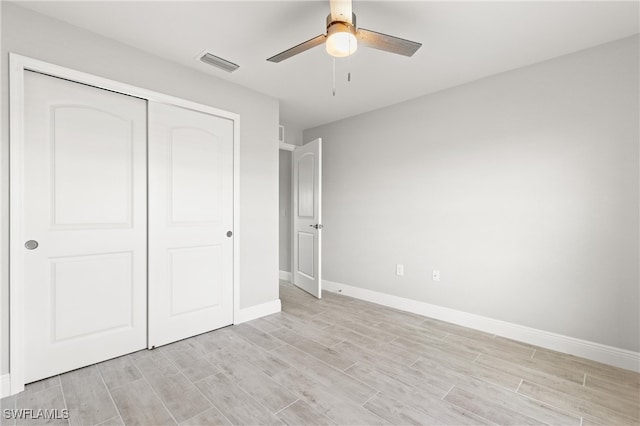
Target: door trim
x=18 y=64
x=286 y=146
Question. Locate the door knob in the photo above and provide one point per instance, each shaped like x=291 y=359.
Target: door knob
x=229 y=234
x=317 y=226
x=31 y=244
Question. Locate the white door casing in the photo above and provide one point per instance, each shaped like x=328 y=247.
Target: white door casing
x=85 y=205
x=190 y=223
x=307 y=217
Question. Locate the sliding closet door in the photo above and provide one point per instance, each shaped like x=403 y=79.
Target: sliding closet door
x=84 y=198
x=190 y=223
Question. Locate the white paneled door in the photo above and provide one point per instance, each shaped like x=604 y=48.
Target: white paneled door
x=85 y=223
x=307 y=217
x=190 y=223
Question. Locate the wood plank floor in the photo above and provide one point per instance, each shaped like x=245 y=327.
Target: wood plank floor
x=339 y=361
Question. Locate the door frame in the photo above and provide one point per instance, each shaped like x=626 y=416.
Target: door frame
x=18 y=65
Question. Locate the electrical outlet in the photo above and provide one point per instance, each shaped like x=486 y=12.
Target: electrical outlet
x=399 y=270
x=436 y=275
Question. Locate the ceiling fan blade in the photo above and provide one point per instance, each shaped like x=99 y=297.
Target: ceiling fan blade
x=386 y=42
x=341 y=10
x=298 y=49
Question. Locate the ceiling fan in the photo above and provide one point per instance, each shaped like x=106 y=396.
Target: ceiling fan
x=343 y=36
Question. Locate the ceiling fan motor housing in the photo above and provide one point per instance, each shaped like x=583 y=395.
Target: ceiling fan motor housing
x=352 y=23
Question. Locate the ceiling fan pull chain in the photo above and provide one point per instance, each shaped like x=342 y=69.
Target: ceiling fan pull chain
x=349 y=63
x=334 y=76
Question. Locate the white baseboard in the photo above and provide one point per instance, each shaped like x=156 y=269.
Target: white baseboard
x=5 y=385
x=258 y=311
x=284 y=275
x=583 y=348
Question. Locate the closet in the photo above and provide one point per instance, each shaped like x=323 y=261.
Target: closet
x=126 y=218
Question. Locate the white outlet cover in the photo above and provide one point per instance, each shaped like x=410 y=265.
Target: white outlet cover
x=436 y=275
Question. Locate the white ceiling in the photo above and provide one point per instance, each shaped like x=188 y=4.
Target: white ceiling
x=462 y=41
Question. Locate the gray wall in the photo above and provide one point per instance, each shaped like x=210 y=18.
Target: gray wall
x=37 y=36
x=521 y=188
x=285 y=210
x=292 y=133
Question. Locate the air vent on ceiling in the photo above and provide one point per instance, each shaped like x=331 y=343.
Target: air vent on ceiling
x=217 y=62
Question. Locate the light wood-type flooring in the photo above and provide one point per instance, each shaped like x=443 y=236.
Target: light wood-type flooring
x=340 y=361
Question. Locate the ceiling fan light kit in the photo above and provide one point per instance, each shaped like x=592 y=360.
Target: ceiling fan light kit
x=341 y=39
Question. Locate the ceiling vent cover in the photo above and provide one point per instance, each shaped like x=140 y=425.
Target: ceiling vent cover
x=217 y=62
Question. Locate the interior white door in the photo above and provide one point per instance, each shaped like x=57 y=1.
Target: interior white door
x=307 y=217
x=85 y=219
x=190 y=223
